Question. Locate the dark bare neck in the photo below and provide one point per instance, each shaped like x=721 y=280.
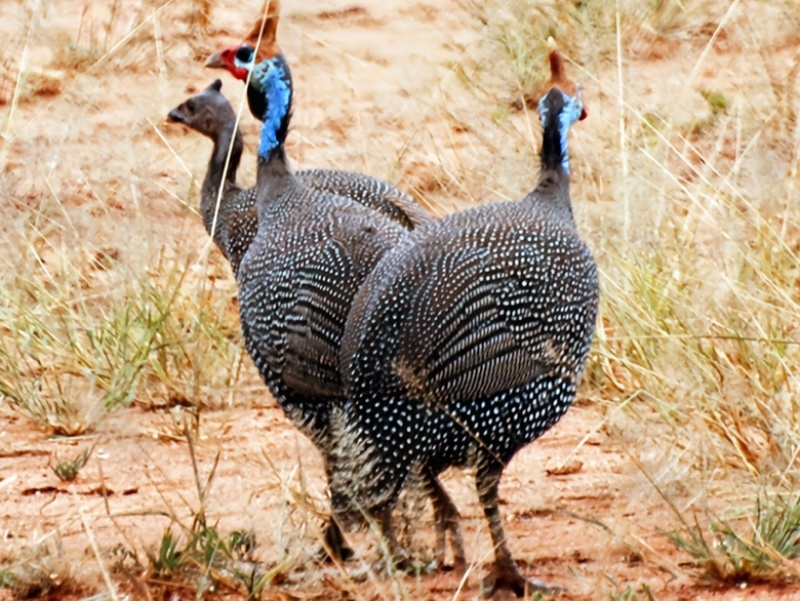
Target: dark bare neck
x=228 y=141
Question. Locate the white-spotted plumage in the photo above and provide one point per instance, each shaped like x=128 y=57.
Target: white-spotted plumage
x=466 y=343
x=310 y=254
x=235 y=223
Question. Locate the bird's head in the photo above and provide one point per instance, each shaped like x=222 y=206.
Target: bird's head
x=261 y=41
x=207 y=112
x=560 y=96
x=226 y=59
x=239 y=60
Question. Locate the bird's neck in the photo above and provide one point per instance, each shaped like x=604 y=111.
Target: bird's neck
x=273 y=178
x=276 y=84
x=256 y=100
x=551 y=197
x=271 y=143
x=551 y=194
x=274 y=174
x=228 y=141
x=555 y=139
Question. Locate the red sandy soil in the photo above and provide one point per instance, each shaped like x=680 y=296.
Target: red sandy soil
x=582 y=530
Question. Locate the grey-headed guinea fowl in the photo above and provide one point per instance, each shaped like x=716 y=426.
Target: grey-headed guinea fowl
x=210 y=113
x=366 y=190
x=297 y=280
x=467 y=342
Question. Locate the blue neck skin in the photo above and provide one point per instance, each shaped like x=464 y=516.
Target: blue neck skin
x=273 y=78
x=569 y=114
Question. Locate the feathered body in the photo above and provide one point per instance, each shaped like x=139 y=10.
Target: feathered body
x=235 y=223
x=297 y=281
x=467 y=342
x=471 y=337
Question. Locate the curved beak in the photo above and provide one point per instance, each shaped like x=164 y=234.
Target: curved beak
x=174 y=116
x=215 y=61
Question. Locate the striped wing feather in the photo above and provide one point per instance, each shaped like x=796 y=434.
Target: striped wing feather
x=315 y=324
x=469 y=332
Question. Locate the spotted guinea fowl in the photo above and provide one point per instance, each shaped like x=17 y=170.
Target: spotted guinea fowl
x=210 y=113
x=467 y=342
x=366 y=190
x=297 y=280
x=234 y=224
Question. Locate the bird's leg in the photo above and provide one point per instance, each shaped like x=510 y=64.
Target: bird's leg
x=446 y=518
x=397 y=557
x=505 y=574
x=335 y=546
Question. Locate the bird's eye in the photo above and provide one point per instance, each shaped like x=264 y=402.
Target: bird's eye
x=244 y=54
x=190 y=106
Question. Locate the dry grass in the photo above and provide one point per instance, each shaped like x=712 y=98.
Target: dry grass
x=758 y=545
x=687 y=194
x=37 y=568
x=685 y=185
x=700 y=264
x=153 y=344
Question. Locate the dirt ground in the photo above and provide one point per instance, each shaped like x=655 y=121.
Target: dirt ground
x=369 y=80
x=576 y=506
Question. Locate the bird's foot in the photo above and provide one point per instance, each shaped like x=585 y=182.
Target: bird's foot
x=459 y=557
x=505 y=576
x=459 y=565
x=341 y=555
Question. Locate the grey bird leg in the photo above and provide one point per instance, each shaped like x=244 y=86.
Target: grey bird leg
x=446 y=518
x=335 y=546
x=505 y=574
x=396 y=555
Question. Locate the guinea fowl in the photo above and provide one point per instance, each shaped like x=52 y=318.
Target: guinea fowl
x=234 y=225
x=467 y=342
x=297 y=280
x=210 y=113
x=366 y=190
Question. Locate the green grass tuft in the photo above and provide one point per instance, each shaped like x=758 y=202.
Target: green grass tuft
x=754 y=548
x=67 y=471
